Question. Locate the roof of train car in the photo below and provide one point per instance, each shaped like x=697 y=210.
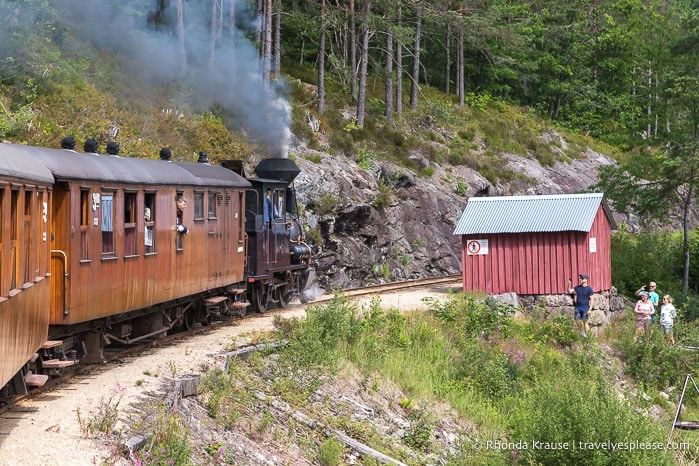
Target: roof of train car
x=213 y=173
x=67 y=164
x=20 y=165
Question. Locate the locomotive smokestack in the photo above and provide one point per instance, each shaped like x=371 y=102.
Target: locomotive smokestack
x=278 y=169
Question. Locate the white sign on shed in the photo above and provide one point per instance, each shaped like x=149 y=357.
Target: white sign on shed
x=477 y=247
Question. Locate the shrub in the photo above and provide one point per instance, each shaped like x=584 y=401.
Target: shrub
x=384 y=197
x=419 y=434
x=330 y=452
x=569 y=410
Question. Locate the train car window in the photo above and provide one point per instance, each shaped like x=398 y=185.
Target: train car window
x=28 y=237
x=108 y=225
x=84 y=224
x=14 y=201
x=241 y=216
x=278 y=203
x=179 y=236
x=130 y=224
x=212 y=206
x=45 y=202
x=149 y=220
x=198 y=206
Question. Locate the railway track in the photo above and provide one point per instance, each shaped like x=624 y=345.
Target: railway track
x=115 y=353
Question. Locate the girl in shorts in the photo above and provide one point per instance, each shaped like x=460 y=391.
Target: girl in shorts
x=668 y=314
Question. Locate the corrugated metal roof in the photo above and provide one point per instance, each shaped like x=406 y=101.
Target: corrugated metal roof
x=520 y=214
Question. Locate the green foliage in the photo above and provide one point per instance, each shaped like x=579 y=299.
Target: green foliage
x=169 y=440
x=553 y=328
x=477 y=101
x=315 y=158
x=327 y=204
x=106 y=416
x=421 y=431
x=652 y=362
x=385 y=196
x=365 y=156
x=576 y=411
x=330 y=452
x=643 y=257
x=318 y=342
x=461 y=188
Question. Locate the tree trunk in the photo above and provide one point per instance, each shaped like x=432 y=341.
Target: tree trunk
x=361 y=97
x=685 y=238
x=231 y=21
x=321 y=61
x=414 y=89
x=259 y=9
x=353 y=50
x=447 y=71
x=180 y=37
x=399 y=69
x=267 y=45
x=460 y=68
x=277 y=39
x=389 y=76
x=213 y=33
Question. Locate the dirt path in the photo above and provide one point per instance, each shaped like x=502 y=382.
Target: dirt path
x=45 y=430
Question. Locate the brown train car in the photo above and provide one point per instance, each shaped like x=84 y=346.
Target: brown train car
x=120 y=271
x=25 y=199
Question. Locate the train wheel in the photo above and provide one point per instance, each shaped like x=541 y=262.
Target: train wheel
x=188 y=319
x=283 y=295
x=260 y=297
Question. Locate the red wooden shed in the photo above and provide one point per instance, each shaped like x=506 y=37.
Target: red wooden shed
x=532 y=245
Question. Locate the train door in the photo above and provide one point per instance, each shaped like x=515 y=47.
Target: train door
x=60 y=246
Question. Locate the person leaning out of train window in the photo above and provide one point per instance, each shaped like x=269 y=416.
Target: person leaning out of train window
x=268 y=207
x=181 y=204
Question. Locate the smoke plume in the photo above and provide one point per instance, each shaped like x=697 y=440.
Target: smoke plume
x=144 y=35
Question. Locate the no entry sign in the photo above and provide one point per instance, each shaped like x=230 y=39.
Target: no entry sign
x=476 y=247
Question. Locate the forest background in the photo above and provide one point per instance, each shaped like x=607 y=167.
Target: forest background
x=233 y=77
x=376 y=79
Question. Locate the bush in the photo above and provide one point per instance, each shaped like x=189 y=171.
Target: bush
x=330 y=452
x=570 y=410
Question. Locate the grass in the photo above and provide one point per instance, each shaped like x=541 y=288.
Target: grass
x=508 y=381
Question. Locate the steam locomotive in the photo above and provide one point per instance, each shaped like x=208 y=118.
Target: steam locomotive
x=91 y=253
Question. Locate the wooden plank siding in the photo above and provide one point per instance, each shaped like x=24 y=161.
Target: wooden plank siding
x=105 y=285
x=24 y=287
x=539 y=263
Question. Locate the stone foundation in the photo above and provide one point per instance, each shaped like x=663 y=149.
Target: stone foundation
x=604 y=309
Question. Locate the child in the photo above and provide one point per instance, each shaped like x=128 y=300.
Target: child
x=668 y=313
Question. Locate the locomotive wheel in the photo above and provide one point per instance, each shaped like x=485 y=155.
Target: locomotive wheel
x=283 y=295
x=260 y=297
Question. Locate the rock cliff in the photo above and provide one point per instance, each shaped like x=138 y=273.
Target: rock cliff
x=387 y=223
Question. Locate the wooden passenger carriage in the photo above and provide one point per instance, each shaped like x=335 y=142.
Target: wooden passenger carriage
x=119 y=270
x=25 y=199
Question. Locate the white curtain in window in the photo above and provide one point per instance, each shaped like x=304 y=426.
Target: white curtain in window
x=107 y=216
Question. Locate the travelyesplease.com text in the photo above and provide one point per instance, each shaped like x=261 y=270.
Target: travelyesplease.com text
x=577 y=445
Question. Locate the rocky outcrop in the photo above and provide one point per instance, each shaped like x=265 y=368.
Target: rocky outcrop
x=387 y=222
